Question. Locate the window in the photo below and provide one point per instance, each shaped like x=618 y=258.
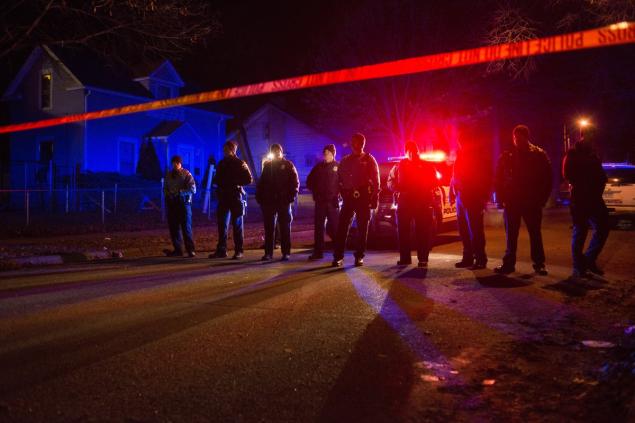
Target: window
x=46 y=90
x=126 y=157
x=46 y=151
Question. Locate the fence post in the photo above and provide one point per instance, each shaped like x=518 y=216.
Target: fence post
x=66 y=204
x=162 y=200
x=114 y=207
x=209 y=207
x=103 y=207
x=27 y=207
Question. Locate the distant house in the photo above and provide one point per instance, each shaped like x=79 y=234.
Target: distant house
x=58 y=82
x=269 y=124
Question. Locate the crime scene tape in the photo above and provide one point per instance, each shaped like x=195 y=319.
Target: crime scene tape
x=611 y=35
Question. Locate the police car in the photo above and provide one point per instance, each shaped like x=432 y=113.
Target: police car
x=619 y=193
x=386 y=214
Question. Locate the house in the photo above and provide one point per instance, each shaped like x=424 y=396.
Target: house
x=270 y=124
x=57 y=82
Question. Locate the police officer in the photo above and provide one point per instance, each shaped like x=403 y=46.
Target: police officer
x=583 y=169
x=358 y=176
x=324 y=184
x=276 y=190
x=471 y=188
x=414 y=180
x=179 y=187
x=231 y=175
x=523 y=185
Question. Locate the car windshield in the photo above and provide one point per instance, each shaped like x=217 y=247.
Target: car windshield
x=625 y=175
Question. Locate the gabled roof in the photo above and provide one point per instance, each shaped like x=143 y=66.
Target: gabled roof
x=164 y=129
x=164 y=72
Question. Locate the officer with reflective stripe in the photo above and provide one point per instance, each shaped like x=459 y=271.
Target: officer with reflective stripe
x=179 y=188
x=358 y=176
x=231 y=175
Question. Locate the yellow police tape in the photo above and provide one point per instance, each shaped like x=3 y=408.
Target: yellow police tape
x=616 y=34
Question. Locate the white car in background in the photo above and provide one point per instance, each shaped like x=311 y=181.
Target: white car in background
x=619 y=193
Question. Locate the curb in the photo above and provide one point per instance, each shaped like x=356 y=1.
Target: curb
x=49 y=260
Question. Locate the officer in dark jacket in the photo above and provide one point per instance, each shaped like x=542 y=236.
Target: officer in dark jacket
x=276 y=189
x=583 y=169
x=231 y=175
x=324 y=184
x=523 y=185
x=414 y=180
x=471 y=189
x=358 y=176
x=179 y=187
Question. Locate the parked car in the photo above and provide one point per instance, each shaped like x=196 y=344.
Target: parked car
x=385 y=218
x=619 y=193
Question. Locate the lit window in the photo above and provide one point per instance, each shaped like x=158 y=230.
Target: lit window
x=46 y=90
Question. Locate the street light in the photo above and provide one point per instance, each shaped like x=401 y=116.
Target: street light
x=583 y=123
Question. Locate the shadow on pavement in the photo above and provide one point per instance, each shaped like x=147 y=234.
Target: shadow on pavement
x=575 y=288
x=501 y=281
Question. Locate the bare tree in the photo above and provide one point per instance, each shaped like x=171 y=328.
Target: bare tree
x=517 y=20
x=118 y=28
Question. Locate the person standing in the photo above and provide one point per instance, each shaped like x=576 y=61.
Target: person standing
x=414 y=180
x=471 y=189
x=232 y=174
x=583 y=169
x=179 y=187
x=358 y=177
x=523 y=185
x=276 y=190
x=324 y=184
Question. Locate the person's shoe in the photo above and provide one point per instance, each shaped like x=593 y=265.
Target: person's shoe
x=172 y=253
x=463 y=264
x=315 y=256
x=504 y=269
x=218 y=254
x=593 y=268
x=285 y=257
x=578 y=274
x=423 y=264
x=337 y=263
x=479 y=265
x=540 y=269
x=266 y=257
x=404 y=262
x=191 y=254
x=238 y=256
x=359 y=262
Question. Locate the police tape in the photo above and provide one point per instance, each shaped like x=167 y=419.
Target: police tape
x=611 y=35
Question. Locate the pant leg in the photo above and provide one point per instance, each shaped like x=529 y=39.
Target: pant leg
x=512 y=217
x=599 y=220
x=186 y=226
x=320 y=217
x=237 y=218
x=424 y=230
x=404 y=220
x=269 y=220
x=284 y=222
x=332 y=216
x=362 y=214
x=476 y=228
x=578 y=236
x=222 y=220
x=464 y=231
x=343 y=225
x=174 y=226
x=533 y=219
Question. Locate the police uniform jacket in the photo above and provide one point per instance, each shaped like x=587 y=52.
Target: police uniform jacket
x=278 y=183
x=358 y=176
x=231 y=175
x=414 y=181
x=179 y=184
x=323 y=182
x=583 y=169
x=524 y=178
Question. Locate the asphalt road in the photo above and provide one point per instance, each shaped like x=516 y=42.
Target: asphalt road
x=160 y=339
